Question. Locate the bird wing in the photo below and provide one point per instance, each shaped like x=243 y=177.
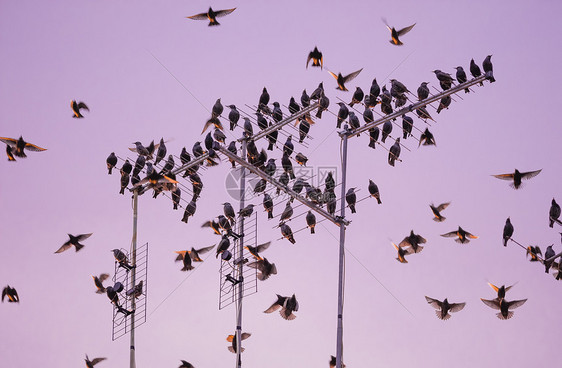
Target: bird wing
x=201 y=16
x=205 y=249
x=452 y=234
x=263 y=246
x=4 y=292
x=83 y=236
x=405 y=242
x=275 y=306
x=530 y=174
x=433 y=302
x=333 y=75
x=351 y=76
x=34 y=148
x=405 y=30
x=442 y=206
x=256 y=264
x=82 y=105
x=223 y=12
x=386 y=23
x=97 y=360
x=495 y=287
x=456 y=307
x=64 y=247
x=9 y=141
x=103 y=277
x=516 y=303
x=469 y=235
x=504 y=176
x=494 y=304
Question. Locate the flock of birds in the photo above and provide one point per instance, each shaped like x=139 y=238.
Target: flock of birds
x=160 y=174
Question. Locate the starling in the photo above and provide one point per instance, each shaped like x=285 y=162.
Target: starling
x=311 y=221
x=329 y=182
x=341 y=80
x=111 y=161
x=246 y=211
x=260 y=186
x=301 y=159
x=386 y=130
x=168 y=166
x=212 y=15
x=500 y=290
x=357 y=96
x=287 y=232
x=534 y=251
x=333 y=362
x=233 y=116
x=351 y=198
x=462 y=235
x=288 y=305
x=316 y=94
x=287 y=166
x=219 y=136
x=141 y=150
x=368 y=116
x=91 y=363
x=444 y=307
x=549 y=253
x=189 y=210
x=423 y=91
x=17 y=146
x=183 y=255
x=232 y=339
x=414 y=241
x=224 y=244
x=197 y=149
x=316 y=57
x=554 y=213
x=264 y=100
x=407 y=125
x=288 y=147
x=76 y=107
x=232 y=149
x=304 y=128
x=503 y=306
x=213 y=225
x=272 y=139
x=488 y=69
x=287 y=212
x=185 y=364
x=427 y=138
x=402 y=253
x=262 y=121
x=293 y=106
x=136 y=291
x=475 y=70
x=398 y=87
x=330 y=198
x=305 y=98
x=374 y=191
x=255 y=251
x=343 y=113
x=212 y=121
x=423 y=113
x=277 y=113
x=176 y=196
x=373 y=136
x=264 y=267
x=444 y=103
x=74 y=240
x=517 y=176
x=160 y=152
x=268 y=205
x=121 y=258
x=396 y=34
x=507 y=231
x=11 y=293
x=374 y=92
x=228 y=211
x=437 y=211
x=98 y=281
x=354 y=121
x=394 y=152
x=461 y=77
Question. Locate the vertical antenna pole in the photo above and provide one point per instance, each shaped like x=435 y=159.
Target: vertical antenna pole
x=339 y=338
x=240 y=264
x=133 y=274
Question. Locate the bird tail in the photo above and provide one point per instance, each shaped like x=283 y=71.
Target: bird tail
x=79 y=246
x=439 y=219
x=270 y=147
x=379 y=200
x=352 y=208
x=319 y=113
x=372 y=144
x=466 y=90
x=214 y=22
x=109 y=170
x=100 y=291
x=187 y=268
x=233 y=164
x=312 y=229
x=122 y=191
x=441 y=317
x=292 y=240
x=505 y=241
x=269 y=214
x=501 y=316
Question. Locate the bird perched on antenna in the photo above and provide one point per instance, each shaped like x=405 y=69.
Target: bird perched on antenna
x=517 y=176
x=16 y=147
x=212 y=15
x=396 y=34
x=74 y=240
x=444 y=307
x=316 y=57
x=341 y=80
x=76 y=107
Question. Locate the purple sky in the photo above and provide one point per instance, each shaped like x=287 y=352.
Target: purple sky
x=101 y=52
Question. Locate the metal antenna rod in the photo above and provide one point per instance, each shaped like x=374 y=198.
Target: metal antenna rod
x=339 y=337
x=417 y=105
x=133 y=275
x=240 y=264
x=285 y=189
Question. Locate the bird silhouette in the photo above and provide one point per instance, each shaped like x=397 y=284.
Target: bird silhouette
x=316 y=57
x=517 y=176
x=444 y=307
x=288 y=305
x=462 y=235
x=91 y=363
x=341 y=80
x=264 y=267
x=500 y=290
x=503 y=306
x=437 y=211
x=76 y=107
x=395 y=34
x=232 y=339
x=507 y=231
x=16 y=147
x=185 y=364
x=11 y=293
x=554 y=213
x=402 y=253
x=98 y=281
x=212 y=15
x=413 y=241
x=74 y=240
x=534 y=251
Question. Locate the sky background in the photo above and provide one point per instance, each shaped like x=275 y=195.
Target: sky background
x=113 y=55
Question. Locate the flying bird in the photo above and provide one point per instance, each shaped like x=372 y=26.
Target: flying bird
x=288 y=305
x=534 y=251
x=437 y=211
x=413 y=241
x=91 y=363
x=185 y=257
x=444 y=307
x=517 y=176
x=462 y=235
x=341 y=80
x=396 y=34
x=232 y=339
x=11 y=293
x=503 y=306
x=264 y=267
x=98 y=281
x=500 y=290
x=76 y=107
x=316 y=57
x=427 y=138
x=16 y=147
x=212 y=15
x=74 y=240
x=255 y=251
x=554 y=213
x=402 y=253
x=507 y=231
x=185 y=364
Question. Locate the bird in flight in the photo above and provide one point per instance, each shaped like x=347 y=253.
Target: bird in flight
x=212 y=15
x=11 y=293
x=98 y=281
x=503 y=306
x=437 y=211
x=15 y=147
x=76 y=107
x=343 y=80
x=517 y=176
x=287 y=304
x=463 y=235
x=74 y=240
x=91 y=363
x=316 y=57
x=444 y=307
x=396 y=34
